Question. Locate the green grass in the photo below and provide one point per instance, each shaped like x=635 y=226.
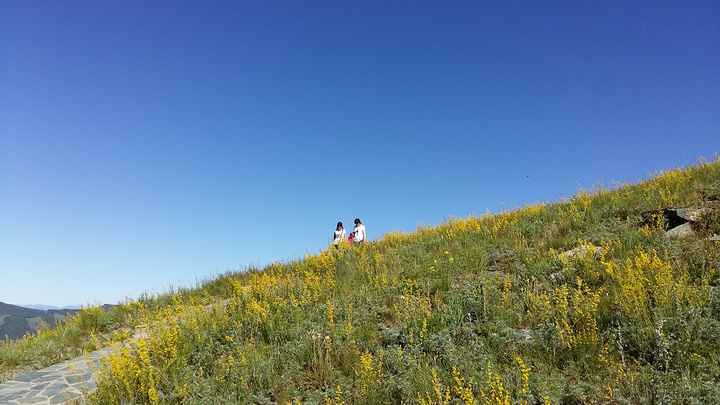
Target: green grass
x=487 y=310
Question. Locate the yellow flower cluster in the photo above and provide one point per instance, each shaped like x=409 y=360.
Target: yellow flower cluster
x=524 y=377
x=370 y=371
x=647 y=282
x=494 y=392
x=572 y=311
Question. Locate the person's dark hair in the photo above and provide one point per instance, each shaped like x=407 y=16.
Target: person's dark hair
x=357 y=221
x=339 y=224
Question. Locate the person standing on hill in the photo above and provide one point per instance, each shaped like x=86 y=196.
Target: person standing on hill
x=339 y=235
x=359 y=232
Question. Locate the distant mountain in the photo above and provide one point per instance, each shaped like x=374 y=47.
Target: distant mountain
x=16 y=321
x=50 y=307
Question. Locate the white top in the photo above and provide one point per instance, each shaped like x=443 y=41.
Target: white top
x=359 y=233
x=339 y=235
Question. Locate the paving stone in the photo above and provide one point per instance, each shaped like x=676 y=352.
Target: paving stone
x=40 y=386
x=10 y=396
x=31 y=377
x=54 y=390
x=57 y=400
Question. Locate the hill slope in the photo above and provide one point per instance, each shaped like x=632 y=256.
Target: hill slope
x=585 y=300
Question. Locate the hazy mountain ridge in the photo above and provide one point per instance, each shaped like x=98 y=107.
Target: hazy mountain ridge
x=43 y=307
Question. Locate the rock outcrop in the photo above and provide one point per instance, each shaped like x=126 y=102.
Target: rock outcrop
x=678 y=222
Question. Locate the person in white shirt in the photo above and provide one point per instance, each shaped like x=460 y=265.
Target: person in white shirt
x=339 y=235
x=359 y=232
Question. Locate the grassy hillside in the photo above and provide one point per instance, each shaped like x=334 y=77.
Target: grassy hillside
x=582 y=301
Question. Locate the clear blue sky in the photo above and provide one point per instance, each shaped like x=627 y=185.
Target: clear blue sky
x=153 y=144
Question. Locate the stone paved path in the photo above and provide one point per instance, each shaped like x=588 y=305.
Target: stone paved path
x=53 y=385
x=58 y=384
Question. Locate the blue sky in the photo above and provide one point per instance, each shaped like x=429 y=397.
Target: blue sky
x=145 y=145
